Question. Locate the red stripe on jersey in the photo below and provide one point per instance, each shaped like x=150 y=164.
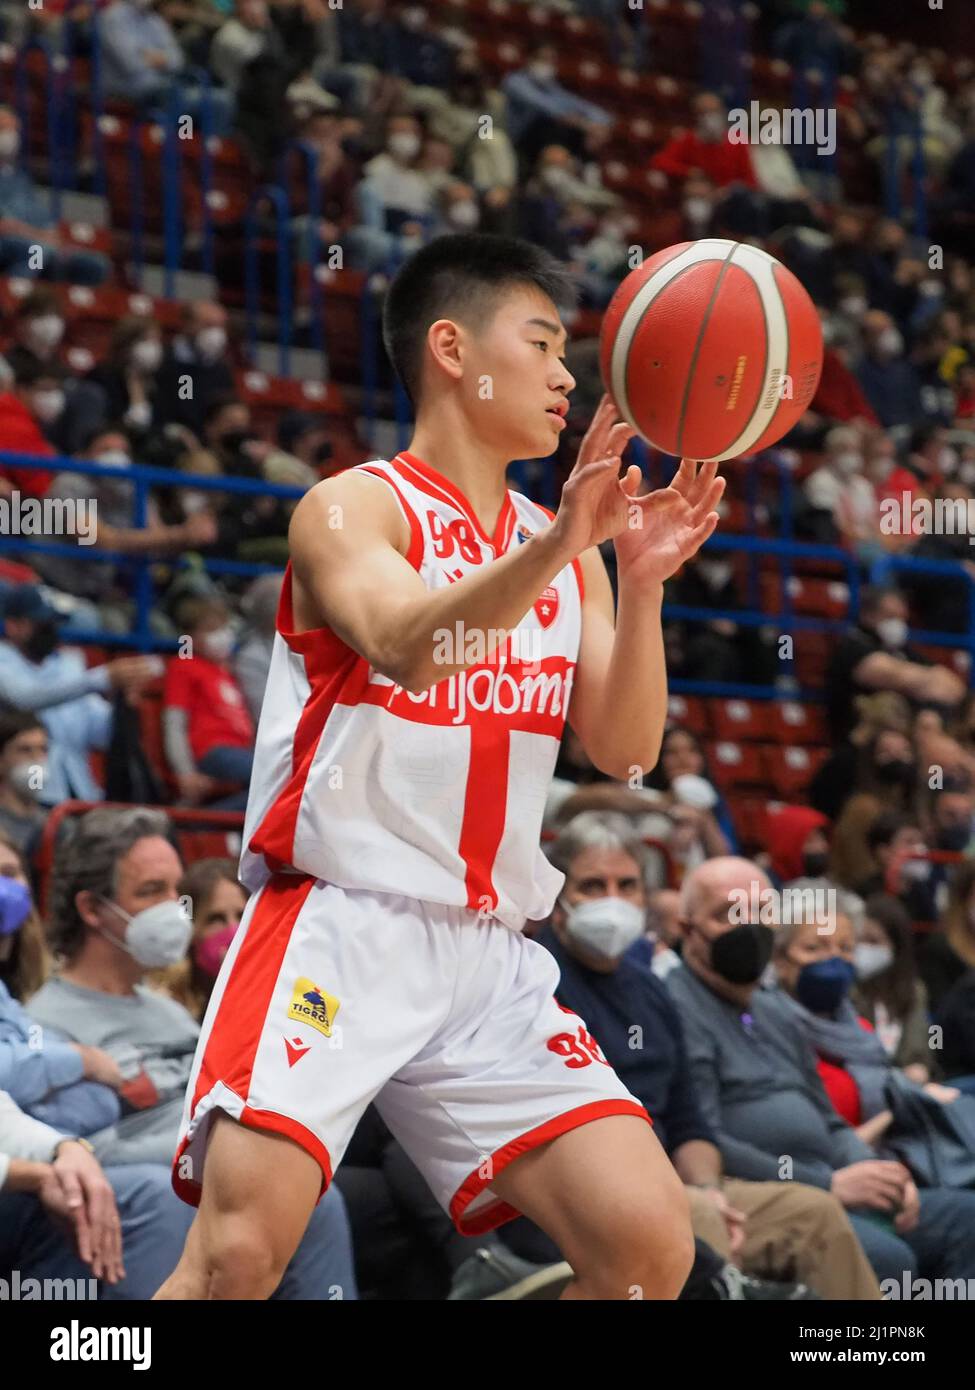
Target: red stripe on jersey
x=415 y=553
x=235 y=1035
x=485 y=810
x=421 y=475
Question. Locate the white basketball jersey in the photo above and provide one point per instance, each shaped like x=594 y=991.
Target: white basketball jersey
x=437 y=796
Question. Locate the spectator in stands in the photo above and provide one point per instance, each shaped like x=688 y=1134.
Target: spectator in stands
x=815 y=970
x=101 y=584
x=956 y=1019
x=798 y=845
x=38 y=331
x=756 y=1079
x=30 y=243
x=888 y=991
x=717 y=649
x=706 y=149
x=366 y=48
x=851 y=766
x=115 y=914
x=209 y=735
x=395 y=198
x=336 y=176
x=889 y=381
x=894 y=843
x=38 y=674
x=816 y=42
x=304 y=436
x=682 y=756
x=127 y=375
x=250 y=526
x=947 y=954
x=873 y=655
x=252 y=661
x=25 y=959
x=541 y=111
x=23 y=771
x=216 y=902
x=842 y=502
x=663 y=930
x=247 y=35
x=127 y=1231
x=35 y=400
x=143 y=63
x=194 y=370
x=762 y=1227
x=420 y=55
x=456 y=113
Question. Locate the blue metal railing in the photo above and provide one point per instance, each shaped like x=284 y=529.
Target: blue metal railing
x=143 y=479
x=310 y=251
x=252 y=238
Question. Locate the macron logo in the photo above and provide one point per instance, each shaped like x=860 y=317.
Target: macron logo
x=296 y=1049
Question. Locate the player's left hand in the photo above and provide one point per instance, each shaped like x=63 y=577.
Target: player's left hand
x=659 y=539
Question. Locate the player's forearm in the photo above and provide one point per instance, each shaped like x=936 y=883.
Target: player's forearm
x=629 y=726
x=474 y=616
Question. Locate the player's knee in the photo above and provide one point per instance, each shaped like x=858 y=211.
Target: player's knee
x=648 y=1254
x=241 y=1261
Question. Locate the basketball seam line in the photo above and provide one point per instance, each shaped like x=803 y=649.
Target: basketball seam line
x=697 y=350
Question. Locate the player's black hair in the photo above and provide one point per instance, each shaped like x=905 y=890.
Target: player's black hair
x=461 y=276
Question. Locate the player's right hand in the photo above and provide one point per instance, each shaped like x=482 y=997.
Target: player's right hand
x=595 y=504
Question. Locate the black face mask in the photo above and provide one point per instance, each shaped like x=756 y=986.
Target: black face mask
x=896 y=773
x=234 y=440
x=740 y=955
x=814 y=863
x=42 y=641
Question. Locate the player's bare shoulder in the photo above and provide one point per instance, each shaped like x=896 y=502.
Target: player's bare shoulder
x=347 y=511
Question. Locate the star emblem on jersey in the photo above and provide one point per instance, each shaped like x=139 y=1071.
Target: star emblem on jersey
x=295 y=1049
x=313 y=1006
x=547 y=606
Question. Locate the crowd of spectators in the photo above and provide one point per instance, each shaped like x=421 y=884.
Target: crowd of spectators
x=755 y=1043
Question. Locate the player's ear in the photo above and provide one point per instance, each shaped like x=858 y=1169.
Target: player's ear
x=445 y=340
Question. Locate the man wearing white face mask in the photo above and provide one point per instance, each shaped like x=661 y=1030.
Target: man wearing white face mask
x=541 y=110
x=207 y=728
x=115 y=913
x=23 y=766
x=874 y=655
x=195 y=369
x=889 y=380
x=840 y=489
x=39 y=329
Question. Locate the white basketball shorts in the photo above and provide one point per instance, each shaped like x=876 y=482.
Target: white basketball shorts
x=330 y=998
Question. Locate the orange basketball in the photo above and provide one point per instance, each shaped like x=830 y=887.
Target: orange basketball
x=711 y=349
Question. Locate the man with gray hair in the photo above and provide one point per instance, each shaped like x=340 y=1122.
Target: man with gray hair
x=773 y=1232
x=116 y=914
x=755 y=1075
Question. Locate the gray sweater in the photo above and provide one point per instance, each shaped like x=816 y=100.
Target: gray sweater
x=757 y=1086
x=152 y=1038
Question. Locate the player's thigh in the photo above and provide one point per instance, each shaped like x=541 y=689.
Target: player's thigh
x=259 y=1191
x=607 y=1194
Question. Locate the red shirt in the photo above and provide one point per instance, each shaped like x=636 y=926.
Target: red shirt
x=722 y=161
x=842 y=1090
x=21 y=434
x=214 y=702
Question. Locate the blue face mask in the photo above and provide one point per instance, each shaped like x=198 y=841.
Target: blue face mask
x=15 y=906
x=824 y=984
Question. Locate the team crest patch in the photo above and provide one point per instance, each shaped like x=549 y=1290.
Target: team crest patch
x=313 y=1006
x=547 y=606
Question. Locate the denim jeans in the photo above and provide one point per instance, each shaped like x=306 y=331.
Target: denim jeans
x=941 y=1246
x=57 y=263
x=154 y=1227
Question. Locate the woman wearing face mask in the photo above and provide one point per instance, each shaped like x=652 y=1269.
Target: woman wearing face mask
x=207 y=729
x=948 y=953
x=888 y=991
x=815 y=971
x=217 y=902
x=25 y=961
x=682 y=755
x=127 y=375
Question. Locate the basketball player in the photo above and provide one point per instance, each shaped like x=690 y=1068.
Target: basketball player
x=435 y=630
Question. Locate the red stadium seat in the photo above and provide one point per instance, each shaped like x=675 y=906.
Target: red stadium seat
x=740 y=719
x=793 y=723
x=688 y=712
x=736 y=765
x=790 y=770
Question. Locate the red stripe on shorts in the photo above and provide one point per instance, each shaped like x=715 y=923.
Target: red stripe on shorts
x=235 y=1035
